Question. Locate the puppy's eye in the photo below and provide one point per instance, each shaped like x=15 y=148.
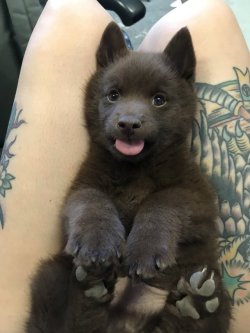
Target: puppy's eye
x=113 y=95
x=159 y=100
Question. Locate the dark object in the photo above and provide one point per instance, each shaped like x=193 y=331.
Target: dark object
x=130 y=11
x=139 y=208
x=43 y=2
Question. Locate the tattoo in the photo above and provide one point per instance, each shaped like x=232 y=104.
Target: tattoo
x=6 y=178
x=221 y=140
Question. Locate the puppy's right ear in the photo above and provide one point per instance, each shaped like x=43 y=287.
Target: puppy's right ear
x=180 y=53
x=112 y=46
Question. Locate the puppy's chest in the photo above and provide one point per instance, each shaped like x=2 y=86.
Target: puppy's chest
x=128 y=195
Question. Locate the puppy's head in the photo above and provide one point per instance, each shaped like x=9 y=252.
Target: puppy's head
x=139 y=103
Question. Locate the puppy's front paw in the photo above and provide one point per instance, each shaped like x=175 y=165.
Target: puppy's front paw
x=145 y=260
x=97 y=248
x=198 y=296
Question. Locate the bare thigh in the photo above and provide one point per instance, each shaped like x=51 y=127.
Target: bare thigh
x=221 y=136
x=44 y=145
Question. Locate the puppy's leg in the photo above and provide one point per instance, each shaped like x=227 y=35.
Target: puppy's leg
x=172 y=323
x=135 y=307
x=199 y=303
x=89 y=297
x=61 y=302
x=95 y=235
x=49 y=295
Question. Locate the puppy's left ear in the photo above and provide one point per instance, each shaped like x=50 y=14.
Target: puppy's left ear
x=112 y=46
x=180 y=54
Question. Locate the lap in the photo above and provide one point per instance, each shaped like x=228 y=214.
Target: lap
x=51 y=139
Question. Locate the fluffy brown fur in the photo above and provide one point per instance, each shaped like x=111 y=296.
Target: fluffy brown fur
x=139 y=215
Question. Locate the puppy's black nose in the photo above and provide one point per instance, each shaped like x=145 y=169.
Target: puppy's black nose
x=128 y=123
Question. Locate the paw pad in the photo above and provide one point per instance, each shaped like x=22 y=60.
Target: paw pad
x=81 y=274
x=193 y=293
x=186 y=308
x=212 y=305
x=98 y=291
x=207 y=287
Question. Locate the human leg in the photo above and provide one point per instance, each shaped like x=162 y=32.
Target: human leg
x=49 y=146
x=214 y=30
x=221 y=136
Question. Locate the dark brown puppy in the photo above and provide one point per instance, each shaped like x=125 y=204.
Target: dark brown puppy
x=139 y=207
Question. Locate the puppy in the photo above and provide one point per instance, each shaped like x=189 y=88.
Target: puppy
x=139 y=219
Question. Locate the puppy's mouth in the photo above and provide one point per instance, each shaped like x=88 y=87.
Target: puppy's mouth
x=129 y=148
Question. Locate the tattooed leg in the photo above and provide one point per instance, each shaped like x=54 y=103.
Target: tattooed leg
x=221 y=133
x=48 y=148
x=224 y=149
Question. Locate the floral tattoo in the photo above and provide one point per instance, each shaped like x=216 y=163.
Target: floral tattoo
x=7 y=178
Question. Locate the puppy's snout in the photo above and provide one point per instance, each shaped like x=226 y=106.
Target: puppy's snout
x=128 y=123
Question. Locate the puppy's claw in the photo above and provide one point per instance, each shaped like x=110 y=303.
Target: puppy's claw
x=97 y=291
x=160 y=265
x=182 y=286
x=197 y=277
x=212 y=305
x=186 y=308
x=80 y=273
x=118 y=254
x=93 y=259
x=76 y=250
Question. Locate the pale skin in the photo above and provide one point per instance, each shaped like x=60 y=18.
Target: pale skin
x=51 y=144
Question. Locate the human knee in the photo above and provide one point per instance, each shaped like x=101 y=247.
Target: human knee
x=203 y=18
x=78 y=9
x=213 y=10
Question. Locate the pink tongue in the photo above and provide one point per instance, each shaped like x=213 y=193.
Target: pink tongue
x=129 y=148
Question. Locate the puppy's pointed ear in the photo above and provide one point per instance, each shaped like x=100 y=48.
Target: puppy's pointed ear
x=180 y=53
x=112 y=46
